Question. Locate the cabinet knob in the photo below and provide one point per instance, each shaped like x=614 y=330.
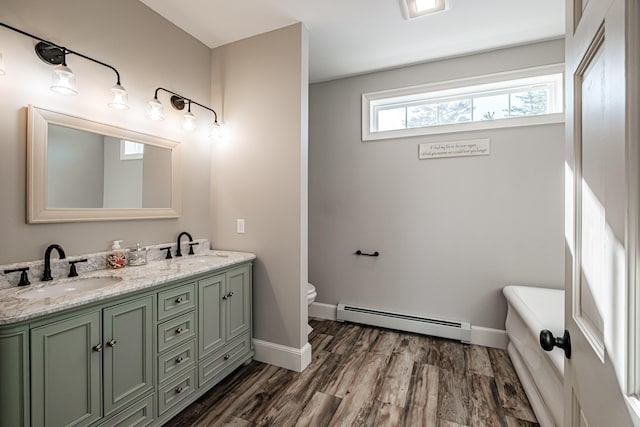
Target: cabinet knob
x=179 y=330
x=179 y=300
x=179 y=359
x=225 y=296
x=230 y=294
x=179 y=389
x=226 y=357
x=112 y=342
x=98 y=348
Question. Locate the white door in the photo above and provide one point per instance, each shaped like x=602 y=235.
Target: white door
x=601 y=208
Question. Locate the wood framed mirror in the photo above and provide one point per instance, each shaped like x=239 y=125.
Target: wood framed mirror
x=82 y=170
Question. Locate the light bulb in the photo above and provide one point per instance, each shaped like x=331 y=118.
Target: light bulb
x=120 y=99
x=215 y=131
x=154 y=110
x=189 y=123
x=63 y=81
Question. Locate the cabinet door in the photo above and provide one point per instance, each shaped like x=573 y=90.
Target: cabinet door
x=66 y=372
x=128 y=352
x=210 y=315
x=14 y=372
x=238 y=302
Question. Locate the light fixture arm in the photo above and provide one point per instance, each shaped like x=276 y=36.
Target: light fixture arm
x=59 y=52
x=178 y=102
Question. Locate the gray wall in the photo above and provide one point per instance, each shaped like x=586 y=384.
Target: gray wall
x=75 y=166
x=451 y=232
x=122 y=178
x=259 y=172
x=156 y=181
x=138 y=48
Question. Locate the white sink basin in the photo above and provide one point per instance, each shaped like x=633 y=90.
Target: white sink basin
x=194 y=260
x=70 y=286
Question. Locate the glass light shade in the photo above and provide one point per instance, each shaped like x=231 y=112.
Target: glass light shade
x=2 y=73
x=63 y=81
x=120 y=99
x=189 y=123
x=215 y=131
x=155 y=110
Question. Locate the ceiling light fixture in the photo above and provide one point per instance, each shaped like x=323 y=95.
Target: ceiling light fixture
x=154 y=112
x=63 y=79
x=412 y=9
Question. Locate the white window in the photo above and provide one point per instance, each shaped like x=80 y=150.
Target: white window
x=130 y=150
x=516 y=98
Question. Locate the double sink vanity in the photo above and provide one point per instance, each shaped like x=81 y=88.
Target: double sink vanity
x=126 y=347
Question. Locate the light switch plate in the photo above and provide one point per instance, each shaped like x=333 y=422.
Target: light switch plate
x=240 y=225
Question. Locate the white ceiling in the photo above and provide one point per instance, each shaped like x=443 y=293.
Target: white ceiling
x=349 y=37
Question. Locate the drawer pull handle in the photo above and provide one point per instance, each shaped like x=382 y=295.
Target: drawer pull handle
x=227 y=296
x=112 y=342
x=179 y=359
x=226 y=357
x=98 y=348
x=179 y=389
x=179 y=330
x=179 y=300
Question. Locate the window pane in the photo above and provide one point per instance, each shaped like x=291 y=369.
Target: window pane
x=490 y=107
x=529 y=103
x=454 y=112
x=420 y=116
x=391 y=119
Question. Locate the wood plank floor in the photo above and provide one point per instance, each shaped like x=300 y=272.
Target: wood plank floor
x=367 y=376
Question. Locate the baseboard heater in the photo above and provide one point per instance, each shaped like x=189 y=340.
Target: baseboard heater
x=452 y=329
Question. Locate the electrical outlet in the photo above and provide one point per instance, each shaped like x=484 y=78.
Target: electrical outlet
x=240 y=226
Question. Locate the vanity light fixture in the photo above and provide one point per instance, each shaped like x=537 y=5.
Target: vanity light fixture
x=155 y=109
x=63 y=79
x=416 y=8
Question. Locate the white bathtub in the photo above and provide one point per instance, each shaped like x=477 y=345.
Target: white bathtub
x=529 y=311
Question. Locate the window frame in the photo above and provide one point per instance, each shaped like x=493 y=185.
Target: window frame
x=455 y=89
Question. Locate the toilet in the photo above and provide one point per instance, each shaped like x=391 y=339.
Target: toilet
x=311 y=297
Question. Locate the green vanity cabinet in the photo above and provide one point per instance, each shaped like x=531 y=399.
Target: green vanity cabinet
x=224 y=322
x=14 y=377
x=88 y=366
x=211 y=291
x=238 y=302
x=128 y=352
x=135 y=359
x=66 y=372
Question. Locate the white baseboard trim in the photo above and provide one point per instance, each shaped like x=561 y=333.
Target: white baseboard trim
x=480 y=335
x=294 y=359
x=323 y=311
x=489 y=337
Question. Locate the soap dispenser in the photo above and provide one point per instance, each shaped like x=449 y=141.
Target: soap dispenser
x=117 y=258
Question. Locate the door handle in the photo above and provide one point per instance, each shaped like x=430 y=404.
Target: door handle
x=548 y=341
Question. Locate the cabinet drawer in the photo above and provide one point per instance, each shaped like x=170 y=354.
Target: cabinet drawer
x=176 y=360
x=176 y=301
x=176 y=331
x=138 y=415
x=231 y=352
x=176 y=390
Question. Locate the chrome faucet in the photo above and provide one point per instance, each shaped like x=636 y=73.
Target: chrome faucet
x=184 y=233
x=46 y=275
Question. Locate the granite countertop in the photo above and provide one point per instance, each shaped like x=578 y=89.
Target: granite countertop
x=18 y=304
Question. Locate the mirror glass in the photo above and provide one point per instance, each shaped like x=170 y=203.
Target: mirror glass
x=82 y=170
